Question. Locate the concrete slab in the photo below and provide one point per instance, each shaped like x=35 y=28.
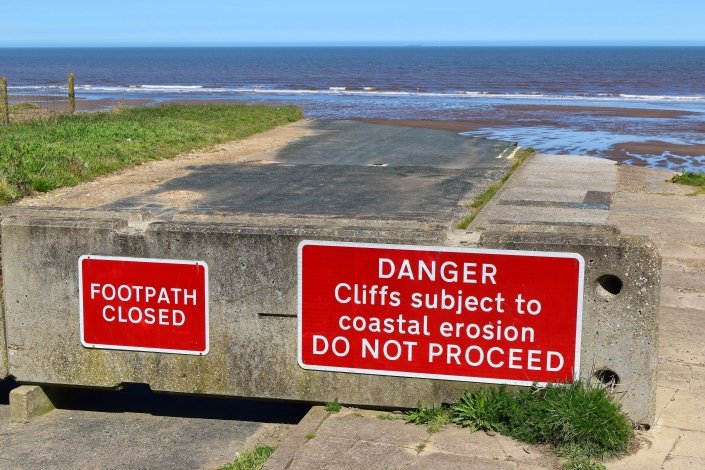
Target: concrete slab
x=455 y=440
x=683 y=297
x=3 y=346
x=354 y=439
x=682 y=412
x=683 y=463
x=357 y=143
x=681 y=340
x=690 y=445
x=138 y=432
x=664 y=395
x=346 y=454
x=353 y=425
x=459 y=462
x=655 y=448
x=354 y=191
x=553 y=190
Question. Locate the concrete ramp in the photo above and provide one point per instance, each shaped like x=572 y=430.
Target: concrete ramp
x=243 y=211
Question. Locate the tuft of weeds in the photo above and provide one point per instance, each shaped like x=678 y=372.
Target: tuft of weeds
x=580 y=421
x=333 y=406
x=434 y=418
x=252 y=459
x=480 y=201
x=310 y=435
x=691 y=178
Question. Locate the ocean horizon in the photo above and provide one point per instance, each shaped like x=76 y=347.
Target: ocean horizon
x=637 y=104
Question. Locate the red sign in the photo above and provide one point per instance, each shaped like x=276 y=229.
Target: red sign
x=139 y=304
x=493 y=316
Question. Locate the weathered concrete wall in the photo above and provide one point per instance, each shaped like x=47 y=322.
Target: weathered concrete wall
x=620 y=329
x=3 y=347
x=253 y=272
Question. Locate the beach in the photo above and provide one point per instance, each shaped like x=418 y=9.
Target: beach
x=619 y=103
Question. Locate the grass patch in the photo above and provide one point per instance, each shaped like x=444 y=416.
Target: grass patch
x=691 y=178
x=310 y=435
x=480 y=201
x=434 y=418
x=333 y=406
x=65 y=150
x=581 y=422
x=388 y=417
x=24 y=106
x=251 y=459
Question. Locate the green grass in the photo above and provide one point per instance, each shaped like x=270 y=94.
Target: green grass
x=65 y=150
x=23 y=106
x=333 y=406
x=691 y=178
x=252 y=459
x=581 y=422
x=480 y=201
x=434 y=418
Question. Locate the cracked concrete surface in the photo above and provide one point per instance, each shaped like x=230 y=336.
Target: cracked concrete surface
x=646 y=204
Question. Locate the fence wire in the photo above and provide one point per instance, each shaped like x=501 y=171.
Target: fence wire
x=27 y=103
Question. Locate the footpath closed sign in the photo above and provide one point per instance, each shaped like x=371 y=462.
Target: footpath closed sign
x=492 y=316
x=139 y=304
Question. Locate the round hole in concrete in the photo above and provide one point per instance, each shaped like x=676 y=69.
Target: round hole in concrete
x=607 y=377
x=610 y=283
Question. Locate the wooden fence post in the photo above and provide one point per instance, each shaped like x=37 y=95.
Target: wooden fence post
x=72 y=95
x=4 y=101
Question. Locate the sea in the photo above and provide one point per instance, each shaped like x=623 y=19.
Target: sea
x=638 y=105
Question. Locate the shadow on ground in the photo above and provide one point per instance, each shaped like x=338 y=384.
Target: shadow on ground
x=139 y=398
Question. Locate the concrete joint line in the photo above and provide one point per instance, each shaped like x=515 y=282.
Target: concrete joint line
x=283 y=457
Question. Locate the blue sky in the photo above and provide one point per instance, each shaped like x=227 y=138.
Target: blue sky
x=268 y=22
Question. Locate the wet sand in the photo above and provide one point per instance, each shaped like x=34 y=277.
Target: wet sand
x=604 y=111
x=652 y=152
x=674 y=153
x=646 y=153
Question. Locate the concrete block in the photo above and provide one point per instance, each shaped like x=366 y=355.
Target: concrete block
x=3 y=347
x=253 y=310
x=28 y=402
x=620 y=309
x=253 y=275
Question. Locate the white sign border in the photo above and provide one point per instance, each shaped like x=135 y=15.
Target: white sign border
x=88 y=345
x=449 y=249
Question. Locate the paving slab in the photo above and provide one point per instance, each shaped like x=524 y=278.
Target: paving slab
x=646 y=203
x=355 y=438
x=685 y=412
x=152 y=437
x=656 y=446
x=552 y=190
x=690 y=445
x=683 y=463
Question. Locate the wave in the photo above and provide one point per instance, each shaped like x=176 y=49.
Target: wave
x=360 y=91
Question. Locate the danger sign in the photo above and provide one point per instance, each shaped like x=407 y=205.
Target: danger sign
x=139 y=304
x=495 y=316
